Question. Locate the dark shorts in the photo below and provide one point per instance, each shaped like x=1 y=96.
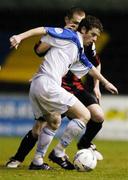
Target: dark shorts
x=86 y=98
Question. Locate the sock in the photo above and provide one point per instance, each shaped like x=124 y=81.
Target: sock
x=44 y=141
x=74 y=128
x=26 y=145
x=92 y=129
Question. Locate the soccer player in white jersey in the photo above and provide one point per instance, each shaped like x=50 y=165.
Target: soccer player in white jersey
x=72 y=19
x=48 y=98
x=72 y=84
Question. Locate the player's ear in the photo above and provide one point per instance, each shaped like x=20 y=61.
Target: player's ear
x=66 y=19
x=83 y=30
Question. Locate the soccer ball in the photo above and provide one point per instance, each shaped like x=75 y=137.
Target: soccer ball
x=85 y=160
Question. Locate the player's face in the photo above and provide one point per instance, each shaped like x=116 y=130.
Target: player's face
x=73 y=23
x=90 y=36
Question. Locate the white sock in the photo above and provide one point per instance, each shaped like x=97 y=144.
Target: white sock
x=74 y=129
x=44 y=141
x=38 y=160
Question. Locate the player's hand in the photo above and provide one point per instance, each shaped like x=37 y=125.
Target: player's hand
x=110 y=87
x=97 y=93
x=15 y=41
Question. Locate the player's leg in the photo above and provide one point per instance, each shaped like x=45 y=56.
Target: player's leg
x=95 y=123
x=37 y=107
x=46 y=135
x=26 y=145
x=80 y=115
x=29 y=140
x=59 y=101
x=87 y=99
x=93 y=126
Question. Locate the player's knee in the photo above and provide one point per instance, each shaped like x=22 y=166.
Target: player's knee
x=54 y=125
x=88 y=116
x=35 y=133
x=98 y=117
x=36 y=129
x=54 y=121
x=85 y=117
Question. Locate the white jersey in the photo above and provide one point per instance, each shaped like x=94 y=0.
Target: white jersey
x=77 y=67
x=59 y=58
x=46 y=93
x=79 y=70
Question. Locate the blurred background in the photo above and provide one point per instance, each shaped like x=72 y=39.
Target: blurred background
x=18 y=66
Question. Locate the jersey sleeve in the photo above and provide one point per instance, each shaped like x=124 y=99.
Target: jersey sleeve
x=85 y=61
x=61 y=33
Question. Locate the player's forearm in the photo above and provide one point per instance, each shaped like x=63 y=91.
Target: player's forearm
x=109 y=86
x=16 y=39
x=97 y=75
x=33 y=32
x=96 y=81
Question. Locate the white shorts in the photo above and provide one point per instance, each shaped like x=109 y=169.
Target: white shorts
x=47 y=96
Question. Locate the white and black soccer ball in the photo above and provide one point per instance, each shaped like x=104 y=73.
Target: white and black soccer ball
x=85 y=160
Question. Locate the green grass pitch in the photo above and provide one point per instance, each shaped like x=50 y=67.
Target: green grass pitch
x=113 y=167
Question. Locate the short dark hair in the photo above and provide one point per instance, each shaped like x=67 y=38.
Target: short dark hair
x=91 y=22
x=74 y=10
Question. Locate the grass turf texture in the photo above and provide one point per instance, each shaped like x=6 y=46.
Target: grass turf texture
x=113 y=167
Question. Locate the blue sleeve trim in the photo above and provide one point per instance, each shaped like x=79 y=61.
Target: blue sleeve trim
x=85 y=61
x=68 y=34
x=61 y=33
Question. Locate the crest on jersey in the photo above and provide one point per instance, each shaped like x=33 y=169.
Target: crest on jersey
x=58 y=30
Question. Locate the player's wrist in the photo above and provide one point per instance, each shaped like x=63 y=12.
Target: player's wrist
x=105 y=84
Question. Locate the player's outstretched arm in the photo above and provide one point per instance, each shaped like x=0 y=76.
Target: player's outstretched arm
x=16 y=39
x=109 y=86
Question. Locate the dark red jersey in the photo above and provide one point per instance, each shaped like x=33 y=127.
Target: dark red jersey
x=73 y=84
